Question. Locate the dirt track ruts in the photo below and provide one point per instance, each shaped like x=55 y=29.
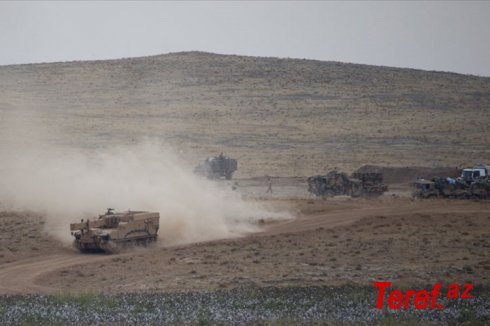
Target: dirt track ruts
x=20 y=276
x=351 y=215
x=24 y=276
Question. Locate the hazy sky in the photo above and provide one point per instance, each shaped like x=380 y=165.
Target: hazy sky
x=449 y=36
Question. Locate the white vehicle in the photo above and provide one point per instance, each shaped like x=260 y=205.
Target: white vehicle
x=479 y=171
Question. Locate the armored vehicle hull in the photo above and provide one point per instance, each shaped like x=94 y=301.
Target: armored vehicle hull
x=113 y=231
x=357 y=185
x=217 y=167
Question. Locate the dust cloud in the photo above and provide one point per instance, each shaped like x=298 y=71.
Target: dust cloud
x=67 y=185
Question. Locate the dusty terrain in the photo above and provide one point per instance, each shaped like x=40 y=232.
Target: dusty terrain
x=281 y=117
x=330 y=242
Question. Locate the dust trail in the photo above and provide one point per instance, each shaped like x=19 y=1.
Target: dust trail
x=47 y=168
x=67 y=186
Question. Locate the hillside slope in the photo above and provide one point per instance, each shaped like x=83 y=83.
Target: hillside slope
x=277 y=116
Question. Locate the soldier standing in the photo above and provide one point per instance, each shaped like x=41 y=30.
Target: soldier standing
x=269 y=185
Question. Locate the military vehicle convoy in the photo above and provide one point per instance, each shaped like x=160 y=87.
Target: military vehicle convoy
x=217 y=167
x=368 y=184
x=113 y=231
x=473 y=183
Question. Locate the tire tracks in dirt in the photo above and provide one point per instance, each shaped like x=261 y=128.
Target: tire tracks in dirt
x=23 y=276
x=346 y=216
x=20 y=277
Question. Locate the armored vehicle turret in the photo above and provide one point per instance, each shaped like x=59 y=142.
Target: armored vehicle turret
x=112 y=231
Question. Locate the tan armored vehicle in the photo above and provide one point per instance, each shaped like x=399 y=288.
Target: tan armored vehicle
x=112 y=231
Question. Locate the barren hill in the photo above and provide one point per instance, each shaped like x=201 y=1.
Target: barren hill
x=277 y=116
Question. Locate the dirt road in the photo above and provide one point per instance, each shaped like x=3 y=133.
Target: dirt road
x=329 y=242
x=20 y=277
x=346 y=211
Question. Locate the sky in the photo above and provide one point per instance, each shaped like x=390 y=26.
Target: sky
x=443 y=36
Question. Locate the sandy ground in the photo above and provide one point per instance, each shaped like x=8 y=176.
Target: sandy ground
x=280 y=117
x=329 y=242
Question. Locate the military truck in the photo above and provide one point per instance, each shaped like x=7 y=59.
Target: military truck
x=217 y=167
x=452 y=188
x=335 y=183
x=370 y=184
x=332 y=184
x=480 y=188
x=424 y=189
x=113 y=231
